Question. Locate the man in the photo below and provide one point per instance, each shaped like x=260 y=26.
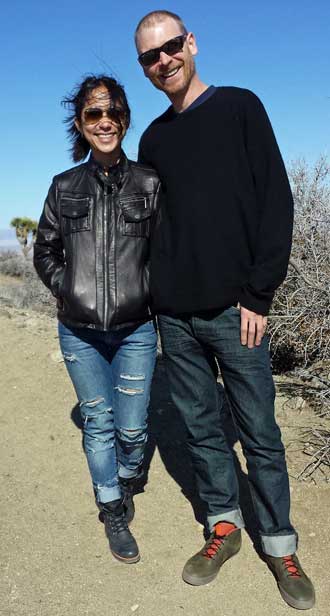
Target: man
x=220 y=250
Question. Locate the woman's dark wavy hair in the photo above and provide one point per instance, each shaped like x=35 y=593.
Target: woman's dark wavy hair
x=76 y=101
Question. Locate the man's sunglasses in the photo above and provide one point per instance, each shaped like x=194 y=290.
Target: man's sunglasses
x=95 y=114
x=171 y=47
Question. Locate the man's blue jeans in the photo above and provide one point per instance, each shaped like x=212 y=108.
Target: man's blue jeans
x=111 y=373
x=187 y=344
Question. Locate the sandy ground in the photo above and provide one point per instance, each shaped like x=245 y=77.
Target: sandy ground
x=53 y=552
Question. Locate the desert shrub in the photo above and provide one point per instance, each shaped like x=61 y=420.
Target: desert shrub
x=14 y=264
x=300 y=320
x=30 y=293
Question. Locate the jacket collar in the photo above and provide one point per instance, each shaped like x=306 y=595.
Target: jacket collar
x=116 y=173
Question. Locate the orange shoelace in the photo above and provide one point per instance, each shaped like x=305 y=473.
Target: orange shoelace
x=221 y=531
x=291 y=567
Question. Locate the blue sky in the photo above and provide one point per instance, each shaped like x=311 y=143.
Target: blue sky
x=279 y=49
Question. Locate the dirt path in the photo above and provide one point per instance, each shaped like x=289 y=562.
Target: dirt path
x=54 y=556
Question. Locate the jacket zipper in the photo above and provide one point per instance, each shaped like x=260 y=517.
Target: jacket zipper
x=105 y=259
x=113 y=194
x=134 y=199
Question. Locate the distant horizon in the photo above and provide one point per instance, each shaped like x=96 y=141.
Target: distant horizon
x=7 y=234
x=8 y=241
x=9 y=248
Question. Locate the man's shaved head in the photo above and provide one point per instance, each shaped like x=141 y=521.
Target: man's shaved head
x=156 y=17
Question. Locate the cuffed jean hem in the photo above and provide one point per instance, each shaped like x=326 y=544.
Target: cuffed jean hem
x=105 y=495
x=279 y=545
x=234 y=516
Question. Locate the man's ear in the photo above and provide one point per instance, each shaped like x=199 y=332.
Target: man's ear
x=191 y=42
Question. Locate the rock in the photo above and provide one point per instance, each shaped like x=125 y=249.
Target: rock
x=56 y=356
x=5 y=313
x=31 y=322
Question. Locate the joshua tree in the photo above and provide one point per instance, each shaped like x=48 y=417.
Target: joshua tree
x=26 y=232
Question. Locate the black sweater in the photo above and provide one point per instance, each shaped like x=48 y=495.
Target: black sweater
x=225 y=229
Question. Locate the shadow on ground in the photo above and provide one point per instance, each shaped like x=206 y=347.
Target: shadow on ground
x=167 y=433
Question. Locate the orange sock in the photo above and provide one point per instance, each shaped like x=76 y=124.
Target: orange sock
x=224 y=528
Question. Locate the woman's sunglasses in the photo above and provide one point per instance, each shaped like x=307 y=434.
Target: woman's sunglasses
x=95 y=114
x=171 y=47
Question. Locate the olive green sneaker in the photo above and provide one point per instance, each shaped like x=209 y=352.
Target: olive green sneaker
x=224 y=542
x=294 y=585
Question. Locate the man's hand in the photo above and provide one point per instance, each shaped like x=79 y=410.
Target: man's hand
x=253 y=327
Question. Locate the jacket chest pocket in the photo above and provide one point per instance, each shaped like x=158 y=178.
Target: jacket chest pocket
x=135 y=216
x=75 y=214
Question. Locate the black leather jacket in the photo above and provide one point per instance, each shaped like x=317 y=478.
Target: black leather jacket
x=92 y=246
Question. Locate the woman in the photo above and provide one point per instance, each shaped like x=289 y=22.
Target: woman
x=92 y=252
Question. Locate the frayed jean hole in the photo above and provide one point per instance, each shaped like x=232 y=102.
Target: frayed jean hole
x=135 y=434
x=133 y=377
x=87 y=415
x=100 y=445
x=129 y=391
x=70 y=357
x=92 y=403
x=112 y=483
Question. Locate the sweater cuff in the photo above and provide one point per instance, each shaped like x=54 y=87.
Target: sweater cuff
x=259 y=303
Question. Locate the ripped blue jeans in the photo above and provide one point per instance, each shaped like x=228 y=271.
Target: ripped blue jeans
x=111 y=373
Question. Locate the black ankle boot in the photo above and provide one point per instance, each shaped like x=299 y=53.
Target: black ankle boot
x=122 y=543
x=127 y=490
